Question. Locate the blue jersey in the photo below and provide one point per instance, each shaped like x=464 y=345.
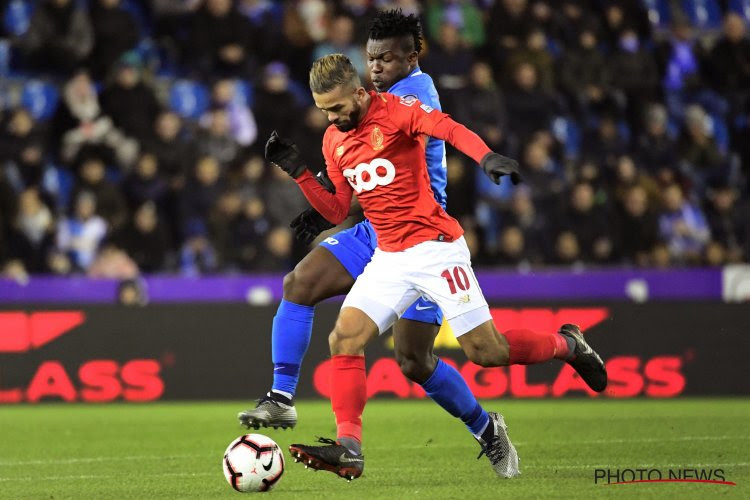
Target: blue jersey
x=420 y=86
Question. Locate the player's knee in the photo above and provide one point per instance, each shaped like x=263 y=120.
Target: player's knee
x=299 y=287
x=416 y=368
x=346 y=338
x=487 y=357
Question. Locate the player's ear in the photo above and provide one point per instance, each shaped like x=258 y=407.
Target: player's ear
x=412 y=58
x=360 y=93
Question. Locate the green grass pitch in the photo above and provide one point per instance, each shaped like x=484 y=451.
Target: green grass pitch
x=413 y=450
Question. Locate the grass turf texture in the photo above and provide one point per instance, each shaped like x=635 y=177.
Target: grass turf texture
x=412 y=449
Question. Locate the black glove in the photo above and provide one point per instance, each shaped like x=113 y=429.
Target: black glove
x=496 y=165
x=284 y=154
x=308 y=225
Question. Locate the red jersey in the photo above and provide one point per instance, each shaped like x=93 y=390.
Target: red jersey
x=382 y=161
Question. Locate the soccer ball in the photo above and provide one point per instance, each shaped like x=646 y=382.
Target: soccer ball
x=253 y=462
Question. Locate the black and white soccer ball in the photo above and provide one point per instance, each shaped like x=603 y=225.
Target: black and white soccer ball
x=253 y=463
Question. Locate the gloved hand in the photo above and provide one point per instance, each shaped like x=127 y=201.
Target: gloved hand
x=496 y=165
x=308 y=225
x=284 y=154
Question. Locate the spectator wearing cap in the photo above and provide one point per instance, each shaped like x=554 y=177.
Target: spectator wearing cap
x=115 y=32
x=273 y=95
x=129 y=101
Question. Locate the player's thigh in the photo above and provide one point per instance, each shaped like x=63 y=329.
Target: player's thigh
x=412 y=343
x=354 y=329
x=318 y=276
x=382 y=291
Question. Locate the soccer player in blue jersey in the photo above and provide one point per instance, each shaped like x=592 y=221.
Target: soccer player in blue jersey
x=331 y=268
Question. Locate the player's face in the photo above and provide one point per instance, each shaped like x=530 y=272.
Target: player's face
x=342 y=106
x=389 y=62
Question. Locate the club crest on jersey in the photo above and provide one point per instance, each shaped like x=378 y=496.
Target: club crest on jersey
x=408 y=99
x=376 y=139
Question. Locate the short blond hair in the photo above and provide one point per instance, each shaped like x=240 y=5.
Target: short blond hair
x=330 y=71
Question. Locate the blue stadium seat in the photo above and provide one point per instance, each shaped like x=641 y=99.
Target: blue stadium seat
x=718 y=128
x=741 y=7
x=17 y=17
x=40 y=98
x=189 y=99
x=704 y=14
x=245 y=91
x=569 y=133
x=658 y=12
x=4 y=57
x=140 y=17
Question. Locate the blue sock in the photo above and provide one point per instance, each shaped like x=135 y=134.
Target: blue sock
x=448 y=389
x=292 y=327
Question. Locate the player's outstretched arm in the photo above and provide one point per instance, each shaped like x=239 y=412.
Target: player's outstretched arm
x=417 y=119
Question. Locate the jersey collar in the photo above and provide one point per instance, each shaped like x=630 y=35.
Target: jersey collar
x=415 y=72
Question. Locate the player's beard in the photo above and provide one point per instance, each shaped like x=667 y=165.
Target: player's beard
x=352 y=120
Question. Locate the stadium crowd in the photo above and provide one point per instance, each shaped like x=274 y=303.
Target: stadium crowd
x=131 y=132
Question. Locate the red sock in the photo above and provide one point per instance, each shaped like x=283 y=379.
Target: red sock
x=348 y=394
x=528 y=347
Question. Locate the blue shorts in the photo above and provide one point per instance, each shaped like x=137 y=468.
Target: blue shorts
x=354 y=248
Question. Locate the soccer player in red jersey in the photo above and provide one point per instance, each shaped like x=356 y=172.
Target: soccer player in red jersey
x=375 y=149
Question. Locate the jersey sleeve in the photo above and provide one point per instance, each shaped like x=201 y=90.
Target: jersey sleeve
x=415 y=119
x=334 y=207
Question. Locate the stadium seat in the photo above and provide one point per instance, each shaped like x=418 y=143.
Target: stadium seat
x=703 y=14
x=189 y=99
x=567 y=132
x=658 y=12
x=4 y=57
x=40 y=98
x=245 y=91
x=741 y=7
x=17 y=17
x=720 y=132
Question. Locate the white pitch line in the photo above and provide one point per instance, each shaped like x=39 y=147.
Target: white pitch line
x=638 y=466
x=99 y=476
x=87 y=460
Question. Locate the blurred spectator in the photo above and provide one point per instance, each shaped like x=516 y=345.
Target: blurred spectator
x=483 y=106
x=216 y=140
x=80 y=123
x=220 y=41
x=222 y=222
x=696 y=147
x=79 y=235
x=250 y=232
x=112 y=263
x=360 y=11
x=729 y=63
x=31 y=240
x=166 y=142
x=462 y=14
x=284 y=198
x=22 y=153
x=200 y=194
x=512 y=247
x=627 y=176
x=276 y=254
x=308 y=135
x=132 y=292
x=729 y=221
x=576 y=17
x=588 y=223
x=242 y=124
x=624 y=15
x=448 y=62
x=110 y=203
x=274 y=95
x=249 y=178
x=604 y=145
x=461 y=191
x=682 y=226
x=522 y=214
x=129 y=101
x=60 y=36
x=509 y=24
x=340 y=40
x=145 y=239
x=583 y=78
x=529 y=108
x=534 y=52
x=636 y=227
x=541 y=175
x=115 y=32
x=567 y=250
x=197 y=255
x=655 y=148
x=265 y=17
x=145 y=183
x=634 y=73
